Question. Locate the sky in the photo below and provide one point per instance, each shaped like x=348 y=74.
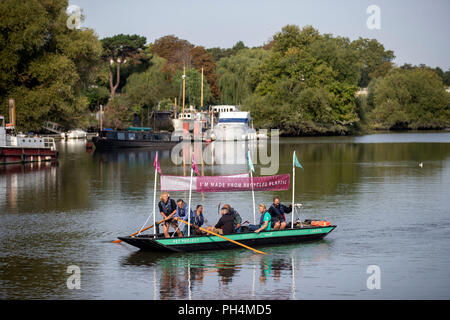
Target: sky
x=417 y=31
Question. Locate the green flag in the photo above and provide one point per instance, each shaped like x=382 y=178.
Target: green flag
x=296 y=162
x=250 y=164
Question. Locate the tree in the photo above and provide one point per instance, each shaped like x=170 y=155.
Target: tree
x=116 y=51
x=219 y=53
x=44 y=65
x=193 y=86
x=376 y=61
x=145 y=90
x=177 y=52
x=180 y=53
x=410 y=99
x=307 y=84
x=236 y=81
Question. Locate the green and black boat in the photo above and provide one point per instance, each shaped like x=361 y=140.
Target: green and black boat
x=210 y=242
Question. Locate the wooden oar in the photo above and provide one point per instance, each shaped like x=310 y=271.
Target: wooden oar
x=228 y=239
x=119 y=241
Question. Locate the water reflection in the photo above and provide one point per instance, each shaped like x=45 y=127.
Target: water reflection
x=181 y=275
x=14 y=178
x=54 y=215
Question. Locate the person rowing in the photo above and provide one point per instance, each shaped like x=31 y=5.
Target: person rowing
x=225 y=225
x=199 y=219
x=168 y=208
x=264 y=222
x=182 y=214
x=278 y=211
x=236 y=218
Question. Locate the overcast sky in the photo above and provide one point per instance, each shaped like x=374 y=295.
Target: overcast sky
x=417 y=31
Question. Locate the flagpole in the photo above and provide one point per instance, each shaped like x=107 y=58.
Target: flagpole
x=293 y=190
x=253 y=196
x=250 y=164
x=154 y=198
x=189 y=203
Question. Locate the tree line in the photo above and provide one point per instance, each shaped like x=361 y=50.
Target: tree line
x=301 y=81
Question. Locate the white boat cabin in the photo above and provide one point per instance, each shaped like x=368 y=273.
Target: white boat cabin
x=9 y=139
x=224 y=108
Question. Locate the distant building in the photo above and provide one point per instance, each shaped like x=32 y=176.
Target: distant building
x=362 y=92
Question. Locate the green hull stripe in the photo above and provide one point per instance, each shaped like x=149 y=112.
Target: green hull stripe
x=244 y=236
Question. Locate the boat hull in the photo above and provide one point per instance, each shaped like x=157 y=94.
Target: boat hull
x=210 y=242
x=9 y=155
x=101 y=143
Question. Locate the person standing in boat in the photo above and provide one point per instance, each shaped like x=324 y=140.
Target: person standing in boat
x=265 y=223
x=182 y=214
x=236 y=218
x=168 y=208
x=225 y=225
x=199 y=219
x=278 y=211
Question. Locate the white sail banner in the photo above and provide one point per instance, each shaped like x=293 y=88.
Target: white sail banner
x=181 y=183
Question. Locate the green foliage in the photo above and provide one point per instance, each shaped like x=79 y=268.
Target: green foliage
x=219 y=53
x=308 y=80
x=145 y=90
x=142 y=94
x=235 y=75
x=193 y=87
x=44 y=65
x=120 y=50
x=410 y=98
x=376 y=61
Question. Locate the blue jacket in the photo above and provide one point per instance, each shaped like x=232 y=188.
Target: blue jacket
x=182 y=213
x=199 y=220
x=279 y=211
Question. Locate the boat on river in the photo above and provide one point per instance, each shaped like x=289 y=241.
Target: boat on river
x=19 y=148
x=133 y=137
x=298 y=234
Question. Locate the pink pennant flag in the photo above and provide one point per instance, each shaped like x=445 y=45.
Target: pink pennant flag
x=156 y=163
x=194 y=166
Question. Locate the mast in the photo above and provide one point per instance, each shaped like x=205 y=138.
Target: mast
x=201 y=104
x=175 y=108
x=12 y=112
x=184 y=87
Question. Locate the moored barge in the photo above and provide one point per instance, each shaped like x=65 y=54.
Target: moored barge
x=16 y=148
x=133 y=138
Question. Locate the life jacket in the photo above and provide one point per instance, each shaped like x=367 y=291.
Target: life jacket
x=261 y=220
x=182 y=212
x=321 y=223
x=168 y=206
x=279 y=211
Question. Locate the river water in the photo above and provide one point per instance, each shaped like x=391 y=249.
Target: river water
x=389 y=211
